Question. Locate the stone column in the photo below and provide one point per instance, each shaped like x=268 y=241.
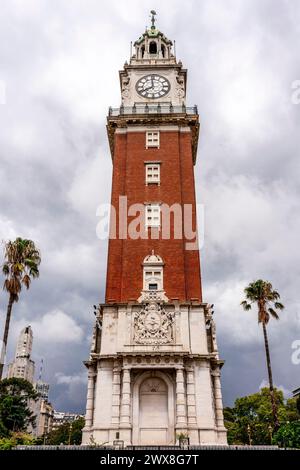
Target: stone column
x=181 y=421
x=218 y=398
x=125 y=399
x=116 y=390
x=146 y=48
x=90 y=397
x=191 y=400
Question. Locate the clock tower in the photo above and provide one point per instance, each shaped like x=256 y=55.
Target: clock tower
x=154 y=366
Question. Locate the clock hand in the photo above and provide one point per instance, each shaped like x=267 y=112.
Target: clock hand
x=151 y=86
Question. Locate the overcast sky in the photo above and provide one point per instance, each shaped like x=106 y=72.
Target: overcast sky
x=59 y=63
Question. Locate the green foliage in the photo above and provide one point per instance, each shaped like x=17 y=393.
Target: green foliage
x=182 y=436
x=7 y=443
x=15 y=414
x=292 y=411
x=265 y=297
x=288 y=435
x=21 y=264
x=251 y=417
x=67 y=433
x=298 y=403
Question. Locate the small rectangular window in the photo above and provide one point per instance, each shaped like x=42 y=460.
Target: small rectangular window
x=152 y=215
x=152 y=173
x=152 y=286
x=152 y=139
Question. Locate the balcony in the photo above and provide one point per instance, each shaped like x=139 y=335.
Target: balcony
x=159 y=108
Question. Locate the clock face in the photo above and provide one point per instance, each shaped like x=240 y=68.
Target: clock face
x=153 y=86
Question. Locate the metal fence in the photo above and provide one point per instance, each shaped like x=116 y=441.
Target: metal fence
x=151 y=448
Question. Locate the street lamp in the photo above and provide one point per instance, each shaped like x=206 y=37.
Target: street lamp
x=70 y=431
x=249 y=434
x=270 y=432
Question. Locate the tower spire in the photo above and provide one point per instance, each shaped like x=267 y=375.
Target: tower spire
x=153 y=19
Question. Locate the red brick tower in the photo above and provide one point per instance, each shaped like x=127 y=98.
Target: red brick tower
x=170 y=157
x=154 y=369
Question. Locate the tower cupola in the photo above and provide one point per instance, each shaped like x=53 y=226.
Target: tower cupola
x=153 y=44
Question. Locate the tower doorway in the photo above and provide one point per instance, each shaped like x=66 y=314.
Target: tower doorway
x=153 y=410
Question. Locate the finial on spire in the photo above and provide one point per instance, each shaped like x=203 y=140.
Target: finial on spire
x=153 y=19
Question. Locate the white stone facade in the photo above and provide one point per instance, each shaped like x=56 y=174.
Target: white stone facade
x=149 y=393
x=23 y=366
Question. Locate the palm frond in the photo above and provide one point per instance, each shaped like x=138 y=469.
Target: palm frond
x=5 y=269
x=22 y=259
x=246 y=305
x=26 y=281
x=279 y=305
x=273 y=313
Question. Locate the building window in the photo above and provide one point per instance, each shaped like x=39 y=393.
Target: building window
x=152 y=139
x=152 y=286
x=152 y=215
x=153 y=273
x=152 y=173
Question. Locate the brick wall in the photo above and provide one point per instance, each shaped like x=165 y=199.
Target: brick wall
x=125 y=257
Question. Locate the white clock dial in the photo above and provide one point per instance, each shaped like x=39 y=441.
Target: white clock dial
x=153 y=86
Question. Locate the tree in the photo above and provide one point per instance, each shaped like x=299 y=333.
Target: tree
x=266 y=298
x=21 y=265
x=67 y=433
x=15 y=414
x=17 y=438
x=252 y=417
x=288 y=435
x=292 y=411
x=298 y=403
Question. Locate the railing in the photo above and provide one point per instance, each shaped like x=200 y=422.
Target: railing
x=152 y=109
x=159 y=448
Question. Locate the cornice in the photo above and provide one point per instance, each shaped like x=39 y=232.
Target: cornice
x=180 y=119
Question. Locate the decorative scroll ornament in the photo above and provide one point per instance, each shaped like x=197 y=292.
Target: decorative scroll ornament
x=153 y=325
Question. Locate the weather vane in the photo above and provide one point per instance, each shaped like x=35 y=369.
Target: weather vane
x=153 y=15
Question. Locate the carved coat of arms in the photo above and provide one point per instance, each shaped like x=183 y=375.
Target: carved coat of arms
x=153 y=325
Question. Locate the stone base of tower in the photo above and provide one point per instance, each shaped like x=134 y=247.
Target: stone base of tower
x=152 y=399
x=150 y=393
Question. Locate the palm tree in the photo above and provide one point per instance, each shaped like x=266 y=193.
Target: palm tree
x=21 y=264
x=266 y=298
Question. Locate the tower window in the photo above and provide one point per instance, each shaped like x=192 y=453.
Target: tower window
x=152 y=139
x=153 y=48
x=152 y=173
x=153 y=273
x=152 y=286
x=152 y=215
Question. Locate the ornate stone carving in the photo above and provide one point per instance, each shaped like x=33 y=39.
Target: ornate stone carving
x=153 y=325
x=153 y=296
x=180 y=91
x=126 y=92
x=153 y=385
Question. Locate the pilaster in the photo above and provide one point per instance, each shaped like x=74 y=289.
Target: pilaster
x=181 y=417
